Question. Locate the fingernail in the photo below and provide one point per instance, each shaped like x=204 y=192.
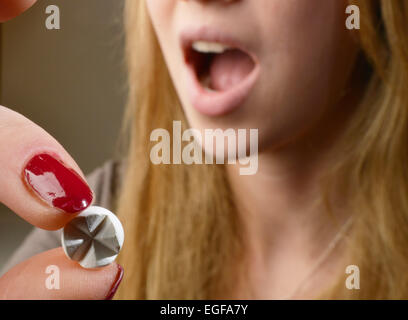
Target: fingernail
x=116 y=284
x=56 y=184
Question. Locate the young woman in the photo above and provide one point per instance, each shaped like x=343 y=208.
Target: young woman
x=329 y=199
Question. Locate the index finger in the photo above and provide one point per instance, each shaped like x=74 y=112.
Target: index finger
x=38 y=179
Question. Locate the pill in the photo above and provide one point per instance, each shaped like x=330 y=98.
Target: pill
x=93 y=238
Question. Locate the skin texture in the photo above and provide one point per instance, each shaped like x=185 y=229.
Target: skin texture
x=27 y=280
x=305 y=55
x=301 y=100
x=302 y=52
x=10 y=9
x=20 y=140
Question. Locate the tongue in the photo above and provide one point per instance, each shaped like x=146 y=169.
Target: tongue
x=229 y=68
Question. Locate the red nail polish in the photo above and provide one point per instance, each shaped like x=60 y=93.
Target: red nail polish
x=116 y=284
x=56 y=184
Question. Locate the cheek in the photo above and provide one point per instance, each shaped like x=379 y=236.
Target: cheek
x=306 y=55
x=162 y=15
x=308 y=28
x=158 y=8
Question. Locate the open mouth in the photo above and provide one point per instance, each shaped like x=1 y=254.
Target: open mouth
x=221 y=72
x=218 y=67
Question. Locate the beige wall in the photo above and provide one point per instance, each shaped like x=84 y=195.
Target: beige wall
x=69 y=81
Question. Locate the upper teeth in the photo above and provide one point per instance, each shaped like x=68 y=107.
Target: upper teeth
x=209 y=47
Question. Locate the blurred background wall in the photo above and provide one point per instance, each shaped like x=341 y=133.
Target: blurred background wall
x=70 y=81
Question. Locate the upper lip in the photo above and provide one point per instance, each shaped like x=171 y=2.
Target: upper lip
x=189 y=36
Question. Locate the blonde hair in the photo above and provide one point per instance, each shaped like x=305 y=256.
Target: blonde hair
x=182 y=231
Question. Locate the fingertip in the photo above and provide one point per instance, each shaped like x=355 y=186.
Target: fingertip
x=116 y=282
x=10 y=9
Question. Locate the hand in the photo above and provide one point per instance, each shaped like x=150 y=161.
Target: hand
x=41 y=183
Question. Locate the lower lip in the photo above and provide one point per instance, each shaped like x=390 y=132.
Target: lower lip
x=218 y=103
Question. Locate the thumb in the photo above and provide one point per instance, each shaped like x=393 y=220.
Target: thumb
x=51 y=275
